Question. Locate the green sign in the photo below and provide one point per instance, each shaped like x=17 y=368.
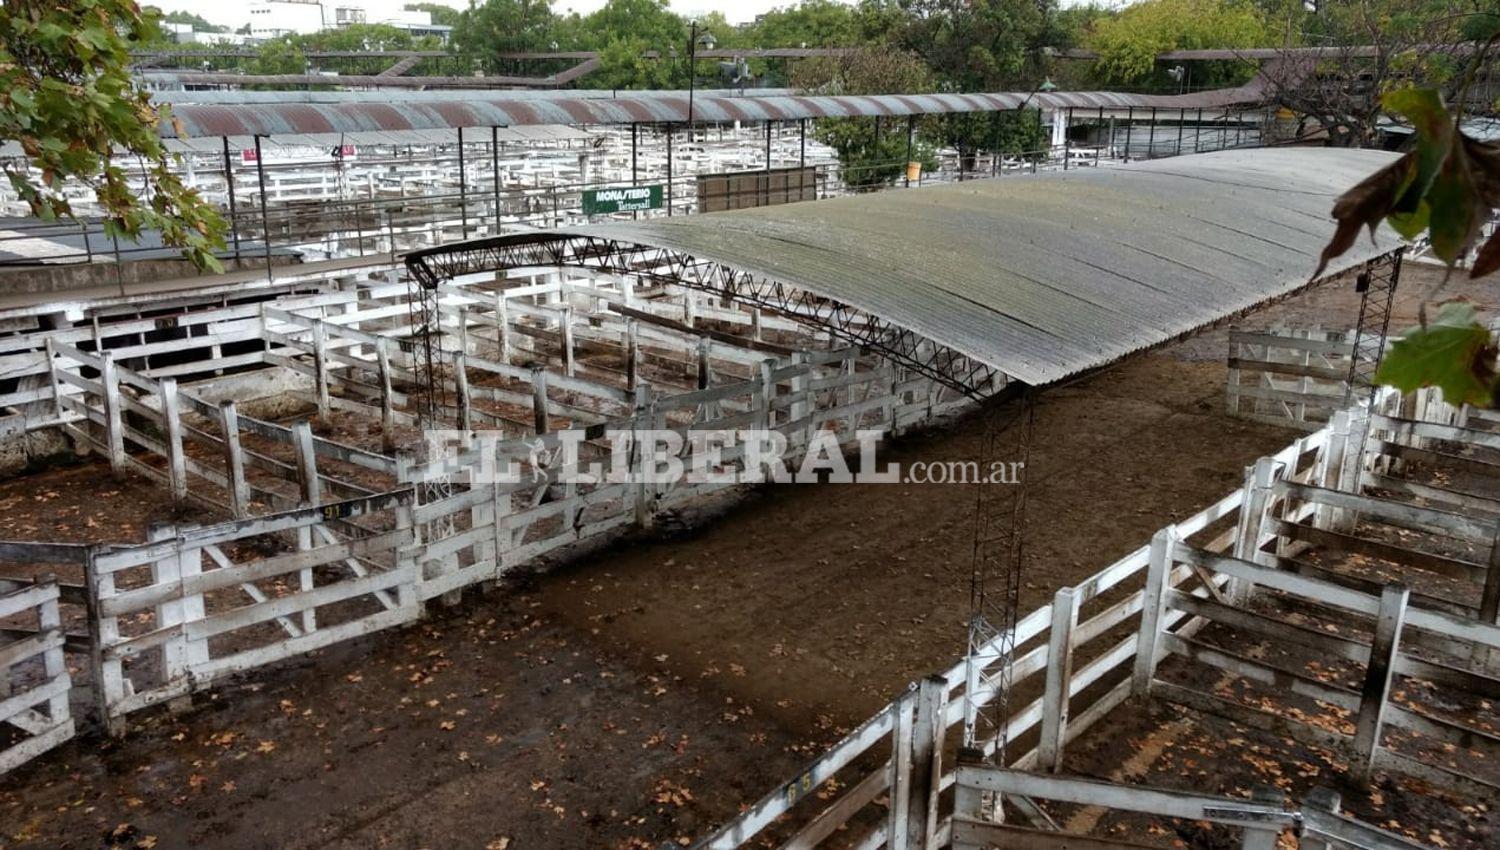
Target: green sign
x=626 y=199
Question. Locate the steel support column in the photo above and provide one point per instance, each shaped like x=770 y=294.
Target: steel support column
x=495 y=167
x=265 y=217
x=463 y=187
x=234 y=218
x=911 y=132
x=669 y=171
x=1067 y=137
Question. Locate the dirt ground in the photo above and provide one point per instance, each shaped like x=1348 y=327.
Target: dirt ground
x=638 y=695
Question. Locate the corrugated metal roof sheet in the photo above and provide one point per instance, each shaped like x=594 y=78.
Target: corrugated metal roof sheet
x=1046 y=276
x=484 y=110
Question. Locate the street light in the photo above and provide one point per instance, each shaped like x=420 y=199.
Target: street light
x=694 y=39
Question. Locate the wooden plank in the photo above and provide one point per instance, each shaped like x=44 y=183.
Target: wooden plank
x=1131 y=798
x=1408 y=428
x=130 y=601
x=176 y=461
x=1378 y=675
x=27 y=598
x=761 y=814
x=34 y=746
x=1289 y=343
x=1154 y=608
x=1059 y=678
x=325 y=636
x=1297 y=369
x=1280 y=679
x=114 y=429
x=28 y=647
x=680 y=327
x=1341 y=542
x=1395 y=513
x=17 y=703
x=1006 y=837
x=123 y=557
x=1252 y=717
x=234 y=460
x=834 y=817
x=27 y=552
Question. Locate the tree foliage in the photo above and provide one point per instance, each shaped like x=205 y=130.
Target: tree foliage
x=495 y=26
x=976 y=45
x=1128 y=43
x=67 y=96
x=812 y=23
x=1371 y=48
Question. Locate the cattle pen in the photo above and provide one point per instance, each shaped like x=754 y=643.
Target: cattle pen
x=287 y=431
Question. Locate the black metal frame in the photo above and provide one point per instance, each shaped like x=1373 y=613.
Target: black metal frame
x=432 y=266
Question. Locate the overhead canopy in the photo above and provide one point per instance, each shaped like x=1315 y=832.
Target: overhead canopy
x=1046 y=276
x=474 y=109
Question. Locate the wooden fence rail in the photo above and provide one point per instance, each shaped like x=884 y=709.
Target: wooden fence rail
x=212 y=606
x=1262 y=820
x=1295 y=377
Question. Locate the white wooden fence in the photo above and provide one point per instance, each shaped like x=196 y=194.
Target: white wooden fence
x=1262 y=820
x=34 y=681
x=175 y=614
x=330 y=541
x=1200 y=570
x=1288 y=376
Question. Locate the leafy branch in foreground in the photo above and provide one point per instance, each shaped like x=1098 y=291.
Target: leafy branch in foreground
x=66 y=95
x=1453 y=352
x=1447 y=185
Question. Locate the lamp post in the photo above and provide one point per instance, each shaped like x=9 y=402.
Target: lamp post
x=694 y=39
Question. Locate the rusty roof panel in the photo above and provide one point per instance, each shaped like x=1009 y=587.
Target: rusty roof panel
x=488 y=110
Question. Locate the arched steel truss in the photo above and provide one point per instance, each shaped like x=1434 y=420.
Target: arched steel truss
x=432 y=266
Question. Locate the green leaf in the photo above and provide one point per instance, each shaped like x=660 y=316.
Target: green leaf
x=1453 y=353
x=1410 y=225
x=1456 y=209
x=1429 y=117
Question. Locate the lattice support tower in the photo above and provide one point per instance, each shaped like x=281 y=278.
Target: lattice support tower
x=429 y=396
x=995 y=578
x=1376 y=285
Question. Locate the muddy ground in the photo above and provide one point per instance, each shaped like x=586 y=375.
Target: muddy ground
x=638 y=695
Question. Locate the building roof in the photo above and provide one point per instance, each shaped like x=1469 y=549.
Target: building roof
x=477 y=109
x=1048 y=275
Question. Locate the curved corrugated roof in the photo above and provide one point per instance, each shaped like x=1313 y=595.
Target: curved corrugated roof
x=1046 y=276
x=482 y=110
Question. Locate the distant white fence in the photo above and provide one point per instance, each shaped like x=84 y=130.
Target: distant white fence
x=330 y=541
x=1295 y=377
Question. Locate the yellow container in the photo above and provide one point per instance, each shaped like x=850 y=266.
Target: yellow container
x=914 y=171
